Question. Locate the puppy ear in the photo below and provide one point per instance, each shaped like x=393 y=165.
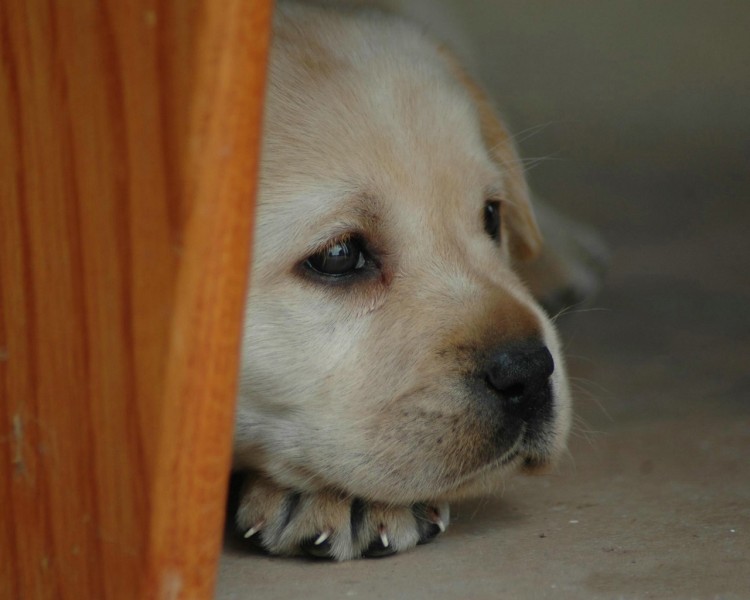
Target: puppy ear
x=525 y=237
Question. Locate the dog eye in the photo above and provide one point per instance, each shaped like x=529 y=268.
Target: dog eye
x=341 y=258
x=492 y=219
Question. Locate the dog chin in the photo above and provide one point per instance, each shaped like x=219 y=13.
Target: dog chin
x=486 y=482
x=491 y=479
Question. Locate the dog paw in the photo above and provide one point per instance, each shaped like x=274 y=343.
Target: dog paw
x=330 y=525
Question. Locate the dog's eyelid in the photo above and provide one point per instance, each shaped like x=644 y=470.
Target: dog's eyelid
x=495 y=190
x=330 y=234
x=337 y=238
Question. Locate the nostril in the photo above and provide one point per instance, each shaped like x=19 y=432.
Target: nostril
x=513 y=392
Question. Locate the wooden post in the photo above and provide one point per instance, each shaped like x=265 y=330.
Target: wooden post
x=129 y=134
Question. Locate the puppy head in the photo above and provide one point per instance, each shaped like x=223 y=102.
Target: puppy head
x=390 y=350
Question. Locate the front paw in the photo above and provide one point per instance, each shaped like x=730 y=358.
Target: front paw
x=330 y=525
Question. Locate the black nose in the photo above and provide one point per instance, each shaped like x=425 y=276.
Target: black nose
x=519 y=375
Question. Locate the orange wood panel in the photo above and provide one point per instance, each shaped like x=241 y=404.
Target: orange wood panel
x=128 y=146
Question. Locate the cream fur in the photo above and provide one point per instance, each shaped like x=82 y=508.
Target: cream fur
x=360 y=390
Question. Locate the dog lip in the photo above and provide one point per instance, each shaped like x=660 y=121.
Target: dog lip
x=504 y=460
x=508 y=458
x=511 y=454
x=519 y=456
x=531 y=461
x=515 y=448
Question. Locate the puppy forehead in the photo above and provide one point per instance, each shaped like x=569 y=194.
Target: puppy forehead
x=366 y=129
x=369 y=102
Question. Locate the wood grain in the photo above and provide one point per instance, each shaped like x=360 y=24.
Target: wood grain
x=128 y=147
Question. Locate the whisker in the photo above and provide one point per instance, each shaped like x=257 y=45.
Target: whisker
x=528 y=163
x=581 y=357
x=579 y=386
x=563 y=311
x=584 y=380
x=530 y=132
x=583 y=429
x=533 y=163
x=575 y=309
x=569 y=456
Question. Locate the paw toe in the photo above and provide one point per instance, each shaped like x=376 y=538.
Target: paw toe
x=431 y=521
x=331 y=526
x=318 y=546
x=378 y=549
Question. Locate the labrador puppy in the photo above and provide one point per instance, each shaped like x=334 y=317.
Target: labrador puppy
x=393 y=358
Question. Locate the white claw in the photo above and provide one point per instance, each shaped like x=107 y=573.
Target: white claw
x=384 y=538
x=254 y=529
x=434 y=516
x=322 y=538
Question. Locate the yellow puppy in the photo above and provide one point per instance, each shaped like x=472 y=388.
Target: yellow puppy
x=393 y=359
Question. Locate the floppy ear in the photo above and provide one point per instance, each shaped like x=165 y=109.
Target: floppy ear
x=525 y=237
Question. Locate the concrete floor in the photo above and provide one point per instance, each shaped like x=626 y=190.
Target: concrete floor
x=646 y=106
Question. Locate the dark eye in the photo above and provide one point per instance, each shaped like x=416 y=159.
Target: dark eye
x=492 y=219
x=342 y=258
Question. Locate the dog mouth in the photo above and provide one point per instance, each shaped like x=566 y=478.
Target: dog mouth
x=522 y=455
x=518 y=450
x=510 y=455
